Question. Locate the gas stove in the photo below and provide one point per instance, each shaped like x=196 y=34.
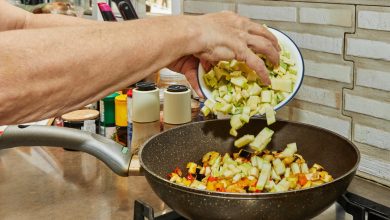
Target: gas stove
x=348 y=206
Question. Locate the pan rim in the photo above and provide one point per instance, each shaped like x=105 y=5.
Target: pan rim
x=246 y=195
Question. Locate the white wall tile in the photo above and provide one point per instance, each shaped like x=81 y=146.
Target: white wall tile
x=372 y=136
x=368 y=106
x=335 y=124
x=374 y=20
x=328 y=16
x=374 y=166
x=368 y=48
x=317 y=42
x=318 y=95
x=373 y=78
x=201 y=7
x=336 y=72
x=263 y=12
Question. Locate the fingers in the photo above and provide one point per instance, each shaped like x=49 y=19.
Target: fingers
x=264 y=46
x=206 y=64
x=245 y=24
x=258 y=29
x=257 y=64
x=191 y=76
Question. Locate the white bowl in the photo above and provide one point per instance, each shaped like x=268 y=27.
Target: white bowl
x=296 y=55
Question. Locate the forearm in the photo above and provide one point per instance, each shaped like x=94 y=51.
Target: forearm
x=70 y=67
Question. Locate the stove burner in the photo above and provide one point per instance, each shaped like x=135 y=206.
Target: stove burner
x=143 y=210
x=357 y=206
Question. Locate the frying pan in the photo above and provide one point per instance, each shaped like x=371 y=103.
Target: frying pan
x=177 y=146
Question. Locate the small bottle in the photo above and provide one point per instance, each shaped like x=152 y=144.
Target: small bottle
x=121 y=119
x=129 y=120
x=107 y=116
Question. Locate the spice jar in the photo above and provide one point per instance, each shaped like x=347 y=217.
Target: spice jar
x=177 y=105
x=86 y=120
x=146 y=103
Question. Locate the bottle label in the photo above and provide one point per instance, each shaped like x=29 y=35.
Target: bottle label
x=129 y=134
x=101 y=104
x=110 y=132
x=129 y=109
x=102 y=131
x=90 y=126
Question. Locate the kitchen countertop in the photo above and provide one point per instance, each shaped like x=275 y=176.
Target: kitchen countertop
x=52 y=183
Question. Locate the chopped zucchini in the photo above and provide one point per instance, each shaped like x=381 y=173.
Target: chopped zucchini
x=279 y=166
x=209 y=103
x=289 y=151
x=254 y=90
x=262 y=139
x=270 y=115
x=244 y=140
x=244 y=118
x=284 y=85
x=205 y=110
x=266 y=96
x=222 y=90
x=235 y=122
x=264 y=176
x=233 y=132
x=253 y=101
x=239 y=81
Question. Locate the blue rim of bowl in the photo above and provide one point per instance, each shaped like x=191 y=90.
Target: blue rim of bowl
x=295 y=91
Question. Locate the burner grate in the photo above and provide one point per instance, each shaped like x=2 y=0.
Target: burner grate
x=358 y=206
x=143 y=210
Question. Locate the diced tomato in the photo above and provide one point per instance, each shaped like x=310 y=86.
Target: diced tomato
x=221 y=189
x=258 y=191
x=302 y=180
x=211 y=178
x=178 y=171
x=190 y=177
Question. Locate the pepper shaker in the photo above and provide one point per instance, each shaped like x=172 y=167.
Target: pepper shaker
x=177 y=105
x=146 y=103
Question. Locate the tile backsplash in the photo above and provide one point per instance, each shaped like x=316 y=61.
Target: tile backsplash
x=346 y=47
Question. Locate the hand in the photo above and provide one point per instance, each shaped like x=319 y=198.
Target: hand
x=188 y=66
x=227 y=36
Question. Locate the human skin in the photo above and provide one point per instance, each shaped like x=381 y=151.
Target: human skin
x=53 y=64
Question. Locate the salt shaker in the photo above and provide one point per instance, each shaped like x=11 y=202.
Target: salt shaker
x=146 y=103
x=177 y=105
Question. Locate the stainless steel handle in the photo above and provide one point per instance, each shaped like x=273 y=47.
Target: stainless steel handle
x=111 y=153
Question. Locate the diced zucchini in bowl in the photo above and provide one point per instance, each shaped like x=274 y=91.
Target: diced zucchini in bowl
x=233 y=82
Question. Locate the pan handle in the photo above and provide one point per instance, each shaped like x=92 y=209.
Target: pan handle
x=114 y=155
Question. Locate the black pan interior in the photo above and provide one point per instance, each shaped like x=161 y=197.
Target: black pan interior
x=175 y=147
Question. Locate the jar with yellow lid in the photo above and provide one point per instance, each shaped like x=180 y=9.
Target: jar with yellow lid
x=121 y=119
